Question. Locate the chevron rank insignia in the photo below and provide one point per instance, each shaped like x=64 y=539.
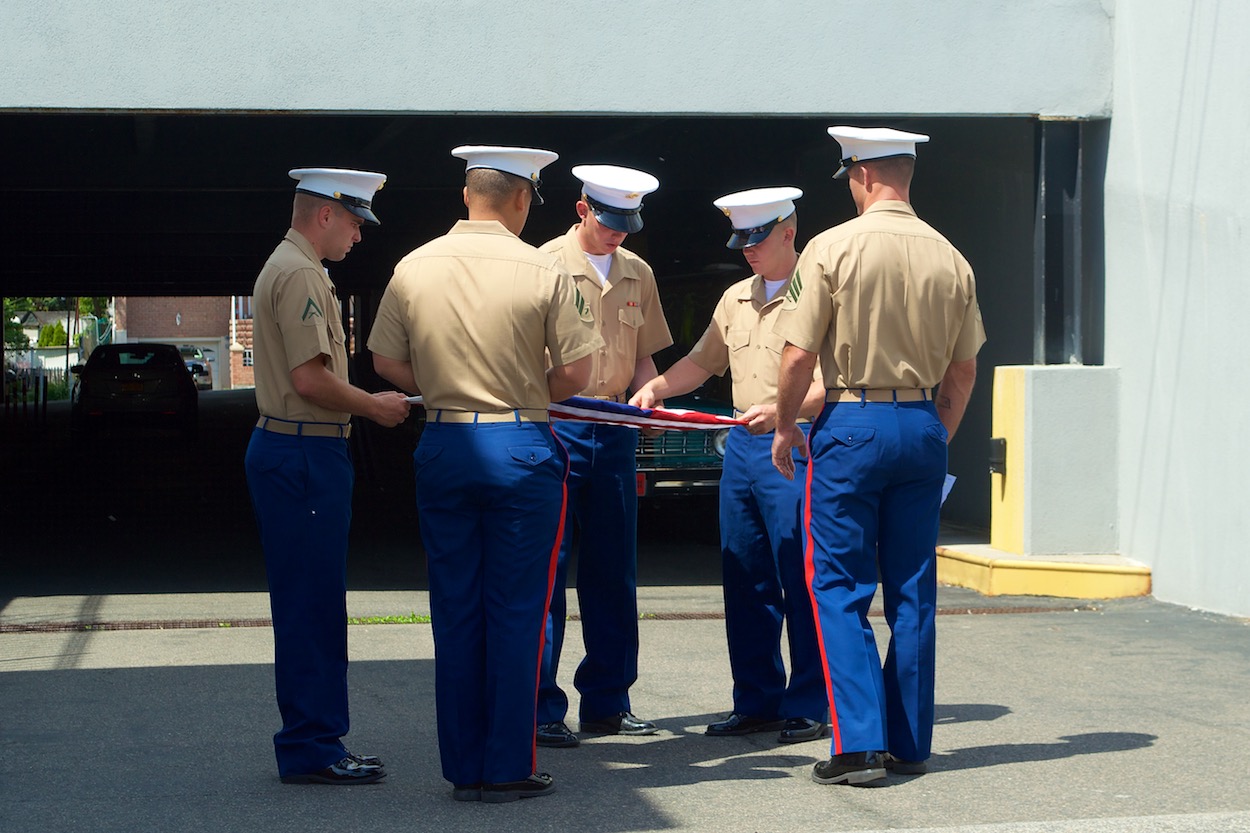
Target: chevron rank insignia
x=795 y=290
x=311 y=310
x=583 y=308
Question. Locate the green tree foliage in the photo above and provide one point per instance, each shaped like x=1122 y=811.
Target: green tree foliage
x=98 y=306
x=14 y=338
x=43 y=304
x=53 y=335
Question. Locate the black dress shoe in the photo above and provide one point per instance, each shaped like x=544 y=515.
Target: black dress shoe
x=366 y=760
x=619 y=724
x=346 y=771
x=799 y=729
x=538 y=784
x=467 y=792
x=741 y=724
x=555 y=735
x=853 y=768
x=898 y=765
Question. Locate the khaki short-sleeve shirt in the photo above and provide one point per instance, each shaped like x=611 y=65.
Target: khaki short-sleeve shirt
x=295 y=317
x=476 y=311
x=626 y=309
x=885 y=300
x=740 y=339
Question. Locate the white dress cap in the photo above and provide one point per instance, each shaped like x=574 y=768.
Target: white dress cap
x=754 y=213
x=615 y=194
x=523 y=162
x=353 y=189
x=860 y=144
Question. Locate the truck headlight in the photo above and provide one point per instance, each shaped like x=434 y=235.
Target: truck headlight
x=719 y=440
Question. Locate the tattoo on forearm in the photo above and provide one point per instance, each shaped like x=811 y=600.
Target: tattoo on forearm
x=942 y=401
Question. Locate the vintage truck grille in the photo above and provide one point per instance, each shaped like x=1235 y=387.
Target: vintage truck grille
x=690 y=445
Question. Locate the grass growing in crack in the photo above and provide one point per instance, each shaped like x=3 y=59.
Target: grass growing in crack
x=405 y=619
x=424 y=619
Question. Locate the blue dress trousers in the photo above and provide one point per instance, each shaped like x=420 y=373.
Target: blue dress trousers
x=874 y=487
x=491 y=500
x=301 y=490
x=764 y=583
x=602 y=524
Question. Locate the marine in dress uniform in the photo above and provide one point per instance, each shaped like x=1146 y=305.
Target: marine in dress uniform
x=619 y=289
x=300 y=474
x=468 y=320
x=890 y=307
x=760 y=522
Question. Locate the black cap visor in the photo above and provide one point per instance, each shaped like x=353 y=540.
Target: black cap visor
x=363 y=213
x=361 y=208
x=627 y=220
x=742 y=238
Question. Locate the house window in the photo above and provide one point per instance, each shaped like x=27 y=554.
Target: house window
x=247 y=358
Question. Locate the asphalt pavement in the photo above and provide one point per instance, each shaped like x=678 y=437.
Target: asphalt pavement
x=1052 y=715
x=136 y=693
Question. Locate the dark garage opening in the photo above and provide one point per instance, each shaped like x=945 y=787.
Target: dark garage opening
x=191 y=204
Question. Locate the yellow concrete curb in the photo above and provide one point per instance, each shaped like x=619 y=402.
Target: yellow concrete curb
x=994 y=572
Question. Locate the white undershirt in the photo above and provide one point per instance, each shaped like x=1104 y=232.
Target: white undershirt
x=602 y=264
x=771 y=287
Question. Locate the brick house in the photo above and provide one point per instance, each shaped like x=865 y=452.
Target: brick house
x=240 y=328
x=241 y=343
x=200 y=321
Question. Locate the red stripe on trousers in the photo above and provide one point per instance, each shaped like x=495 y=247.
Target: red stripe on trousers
x=809 y=571
x=551 y=581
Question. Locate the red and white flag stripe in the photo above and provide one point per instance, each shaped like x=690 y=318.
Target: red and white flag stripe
x=617 y=413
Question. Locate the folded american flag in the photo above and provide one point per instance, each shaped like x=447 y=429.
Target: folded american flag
x=618 y=413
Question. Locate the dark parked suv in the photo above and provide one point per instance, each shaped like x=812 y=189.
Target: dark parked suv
x=132 y=384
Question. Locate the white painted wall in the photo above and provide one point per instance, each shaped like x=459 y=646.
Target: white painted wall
x=1178 y=292
x=1049 y=57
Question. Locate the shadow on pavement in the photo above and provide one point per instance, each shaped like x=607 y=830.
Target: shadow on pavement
x=1091 y=743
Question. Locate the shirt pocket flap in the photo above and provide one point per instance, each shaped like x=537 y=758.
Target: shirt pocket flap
x=335 y=325
x=738 y=339
x=630 y=316
x=774 y=342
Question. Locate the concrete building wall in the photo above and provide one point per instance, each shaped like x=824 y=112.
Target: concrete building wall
x=1049 y=57
x=1178 y=287
x=1055 y=493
